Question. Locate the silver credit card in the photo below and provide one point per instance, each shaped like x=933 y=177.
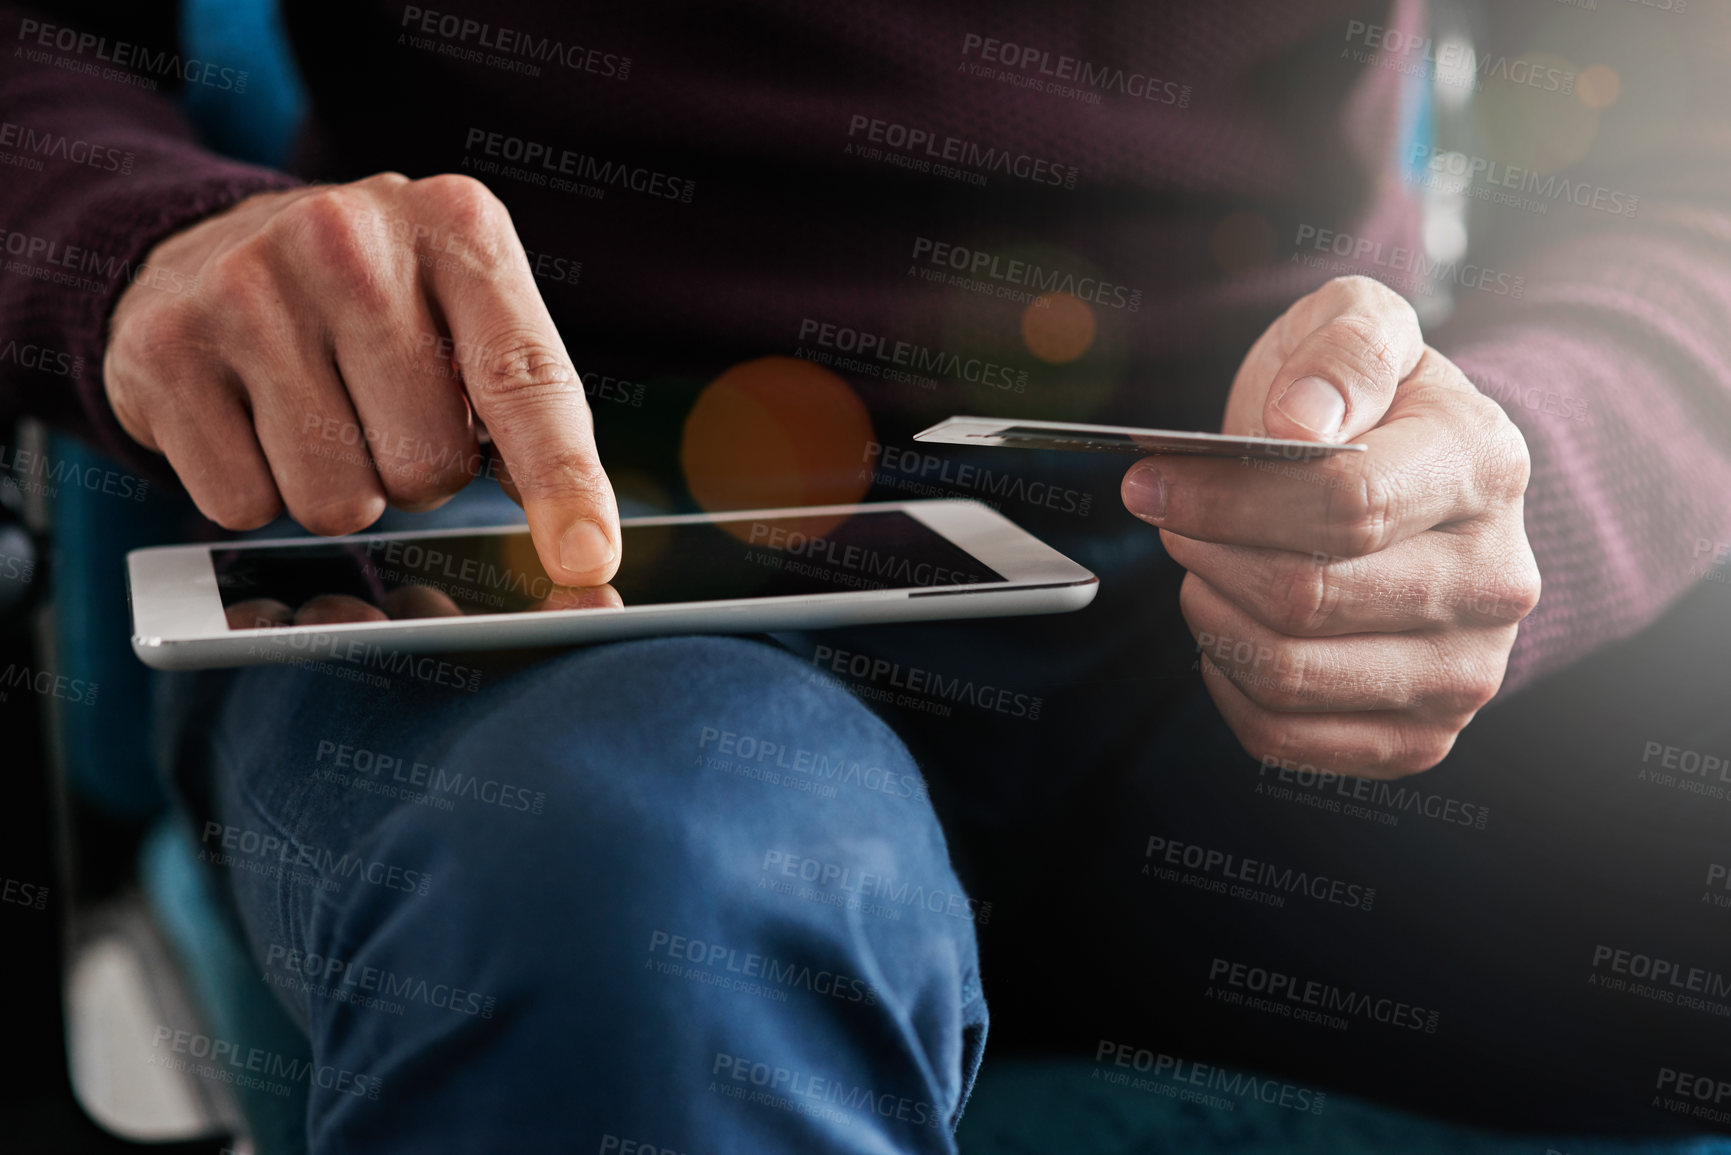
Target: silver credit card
x=997 y=431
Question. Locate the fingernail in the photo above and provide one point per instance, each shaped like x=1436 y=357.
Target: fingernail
x=1314 y=404
x=585 y=547
x=1145 y=493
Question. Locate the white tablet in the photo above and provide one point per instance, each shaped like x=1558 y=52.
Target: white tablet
x=346 y=599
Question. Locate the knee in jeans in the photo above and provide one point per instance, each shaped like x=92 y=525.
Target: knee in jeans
x=697 y=762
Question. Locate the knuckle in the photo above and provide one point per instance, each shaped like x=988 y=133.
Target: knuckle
x=1413 y=755
x=1470 y=685
x=1274 y=677
x=237 y=509
x=166 y=346
x=523 y=367
x=1363 y=516
x=345 y=237
x=1508 y=464
x=1403 y=750
x=1366 y=294
x=1290 y=684
x=568 y=472
x=243 y=280
x=411 y=484
x=1483 y=685
x=1345 y=292
x=329 y=221
x=1365 y=342
x=1527 y=584
x=1302 y=598
x=1420 y=748
x=349 y=513
x=388 y=179
x=1190 y=603
x=464 y=203
x=1508 y=599
x=1265 y=739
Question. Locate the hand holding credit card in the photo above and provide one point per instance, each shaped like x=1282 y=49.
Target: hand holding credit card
x=1354 y=582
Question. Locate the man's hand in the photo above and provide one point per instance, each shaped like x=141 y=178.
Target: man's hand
x=1355 y=611
x=343 y=349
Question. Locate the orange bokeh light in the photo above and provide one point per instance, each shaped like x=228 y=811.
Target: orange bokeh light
x=1598 y=86
x=1057 y=327
x=776 y=431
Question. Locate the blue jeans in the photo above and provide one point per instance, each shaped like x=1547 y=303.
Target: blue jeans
x=685 y=893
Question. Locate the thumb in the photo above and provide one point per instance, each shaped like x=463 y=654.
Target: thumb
x=1362 y=341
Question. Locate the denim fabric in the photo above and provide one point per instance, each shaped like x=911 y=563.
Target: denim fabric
x=683 y=892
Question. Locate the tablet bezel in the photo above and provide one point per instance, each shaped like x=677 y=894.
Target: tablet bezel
x=178 y=619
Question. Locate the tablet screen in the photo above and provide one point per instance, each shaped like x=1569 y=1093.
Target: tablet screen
x=491 y=573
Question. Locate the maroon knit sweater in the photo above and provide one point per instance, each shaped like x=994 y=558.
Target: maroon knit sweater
x=1202 y=161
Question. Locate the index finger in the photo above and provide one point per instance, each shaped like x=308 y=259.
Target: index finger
x=524 y=388
x=1434 y=460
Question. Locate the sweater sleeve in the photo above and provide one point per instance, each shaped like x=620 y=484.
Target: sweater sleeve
x=1615 y=361
x=97 y=165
